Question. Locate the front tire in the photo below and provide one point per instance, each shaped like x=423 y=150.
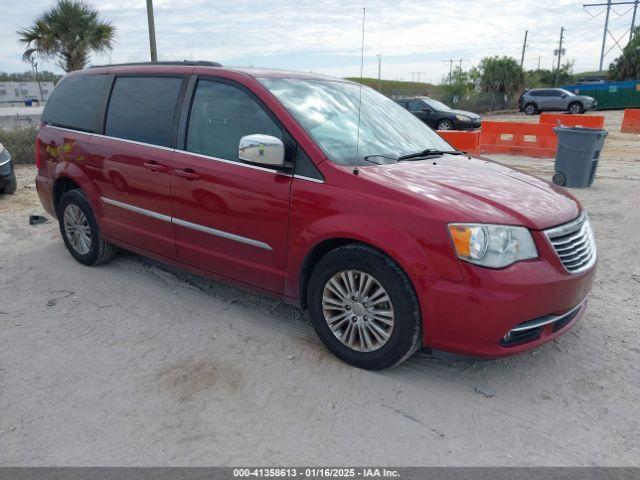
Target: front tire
x=576 y=108
x=530 y=109
x=80 y=231
x=364 y=308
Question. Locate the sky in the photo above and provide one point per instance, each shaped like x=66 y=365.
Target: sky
x=325 y=36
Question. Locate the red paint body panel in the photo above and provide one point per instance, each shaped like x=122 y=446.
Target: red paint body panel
x=116 y=168
x=402 y=209
x=242 y=201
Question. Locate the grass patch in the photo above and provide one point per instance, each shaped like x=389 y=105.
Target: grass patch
x=21 y=144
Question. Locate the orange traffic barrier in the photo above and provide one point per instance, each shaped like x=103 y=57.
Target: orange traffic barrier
x=589 y=121
x=631 y=121
x=518 y=138
x=468 y=142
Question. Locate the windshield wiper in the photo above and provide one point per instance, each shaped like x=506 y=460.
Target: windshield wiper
x=428 y=152
x=369 y=158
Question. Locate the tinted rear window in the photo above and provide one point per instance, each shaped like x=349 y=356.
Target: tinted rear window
x=142 y=109
x=74 y=102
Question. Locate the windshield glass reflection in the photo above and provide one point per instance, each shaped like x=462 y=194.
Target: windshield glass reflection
x=328 y=111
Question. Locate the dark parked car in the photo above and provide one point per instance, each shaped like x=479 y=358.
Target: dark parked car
x=440 y=116
x=554 y=99
x=8 y=182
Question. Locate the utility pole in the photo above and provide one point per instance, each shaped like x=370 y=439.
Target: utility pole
x=450 y=61
x=559 y=56
x=379 y=72
x=416 y=73
x=633 y=19
x=152 y=31
x=609 y=4
x=524 y=47
x=539 y=59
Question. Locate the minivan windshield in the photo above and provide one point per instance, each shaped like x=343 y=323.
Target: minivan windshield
x=328 y=111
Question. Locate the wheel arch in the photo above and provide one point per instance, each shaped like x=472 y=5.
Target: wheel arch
x=406 y=252
x=69 y=176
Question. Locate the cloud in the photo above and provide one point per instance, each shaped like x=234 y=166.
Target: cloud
x=324 y=36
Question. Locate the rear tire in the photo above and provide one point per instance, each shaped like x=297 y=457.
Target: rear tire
x=80 y=231
x=376 y=324
x=576 y=108
x=530 y=109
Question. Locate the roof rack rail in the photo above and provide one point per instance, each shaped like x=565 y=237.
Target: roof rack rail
x=190 y=63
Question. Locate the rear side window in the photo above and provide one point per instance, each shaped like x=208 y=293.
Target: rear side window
x=221 y=114
x=75 y=101
x=143 y=108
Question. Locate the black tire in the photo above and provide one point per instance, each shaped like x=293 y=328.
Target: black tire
x=530 y=109
x=100 y=251
x=11 y=187
x=406 y=335
x=576 y=108
x=444 y=125
x=559 y=179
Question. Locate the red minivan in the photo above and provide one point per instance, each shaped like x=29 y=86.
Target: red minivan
x=321 y=192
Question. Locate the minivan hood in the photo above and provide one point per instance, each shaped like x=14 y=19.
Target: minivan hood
x=480 y=190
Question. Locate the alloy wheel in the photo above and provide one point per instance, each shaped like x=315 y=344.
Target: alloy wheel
x=76 y=227
x=358 y=310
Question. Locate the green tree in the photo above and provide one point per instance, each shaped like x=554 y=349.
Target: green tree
x=627 y=65
x=501 y=75
x=44 y=76
x=460 y=86
x=547 y=78
x=68 y=33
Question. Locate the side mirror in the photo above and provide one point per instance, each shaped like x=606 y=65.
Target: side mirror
x=262 y=150
x=564 y=95
x=427 y=110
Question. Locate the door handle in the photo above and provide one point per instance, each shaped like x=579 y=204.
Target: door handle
x=187 y=173
x=154 y=166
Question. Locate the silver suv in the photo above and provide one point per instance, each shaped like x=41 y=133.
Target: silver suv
x=559 y=99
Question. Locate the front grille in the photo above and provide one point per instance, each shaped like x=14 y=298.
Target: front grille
x=575 y=244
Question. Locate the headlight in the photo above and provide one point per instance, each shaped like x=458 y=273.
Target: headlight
x=494 y=246
x=463 y=118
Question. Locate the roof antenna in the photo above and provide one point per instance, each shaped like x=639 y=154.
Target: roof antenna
x=355 y=169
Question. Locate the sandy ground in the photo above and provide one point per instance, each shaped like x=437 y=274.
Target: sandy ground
x=133 y=363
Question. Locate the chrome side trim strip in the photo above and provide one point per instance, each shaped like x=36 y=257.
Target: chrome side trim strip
x=135 y=142
x=231 y=162
x=308 y=179
x=141 y=211
x=201 y=155
x=184 y=223
x=222 y=234
x=545 y=320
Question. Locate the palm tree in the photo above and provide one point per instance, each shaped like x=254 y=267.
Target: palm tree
x=68 y=33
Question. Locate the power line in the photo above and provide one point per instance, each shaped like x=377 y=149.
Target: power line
x=609 y=6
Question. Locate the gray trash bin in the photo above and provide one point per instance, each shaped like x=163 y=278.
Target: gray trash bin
x=577 y=156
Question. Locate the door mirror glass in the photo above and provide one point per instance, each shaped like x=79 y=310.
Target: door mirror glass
x=261 y=150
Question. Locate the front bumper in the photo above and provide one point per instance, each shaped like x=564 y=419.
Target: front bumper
x=473 y=316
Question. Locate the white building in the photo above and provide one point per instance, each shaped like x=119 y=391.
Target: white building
x=18 y=92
